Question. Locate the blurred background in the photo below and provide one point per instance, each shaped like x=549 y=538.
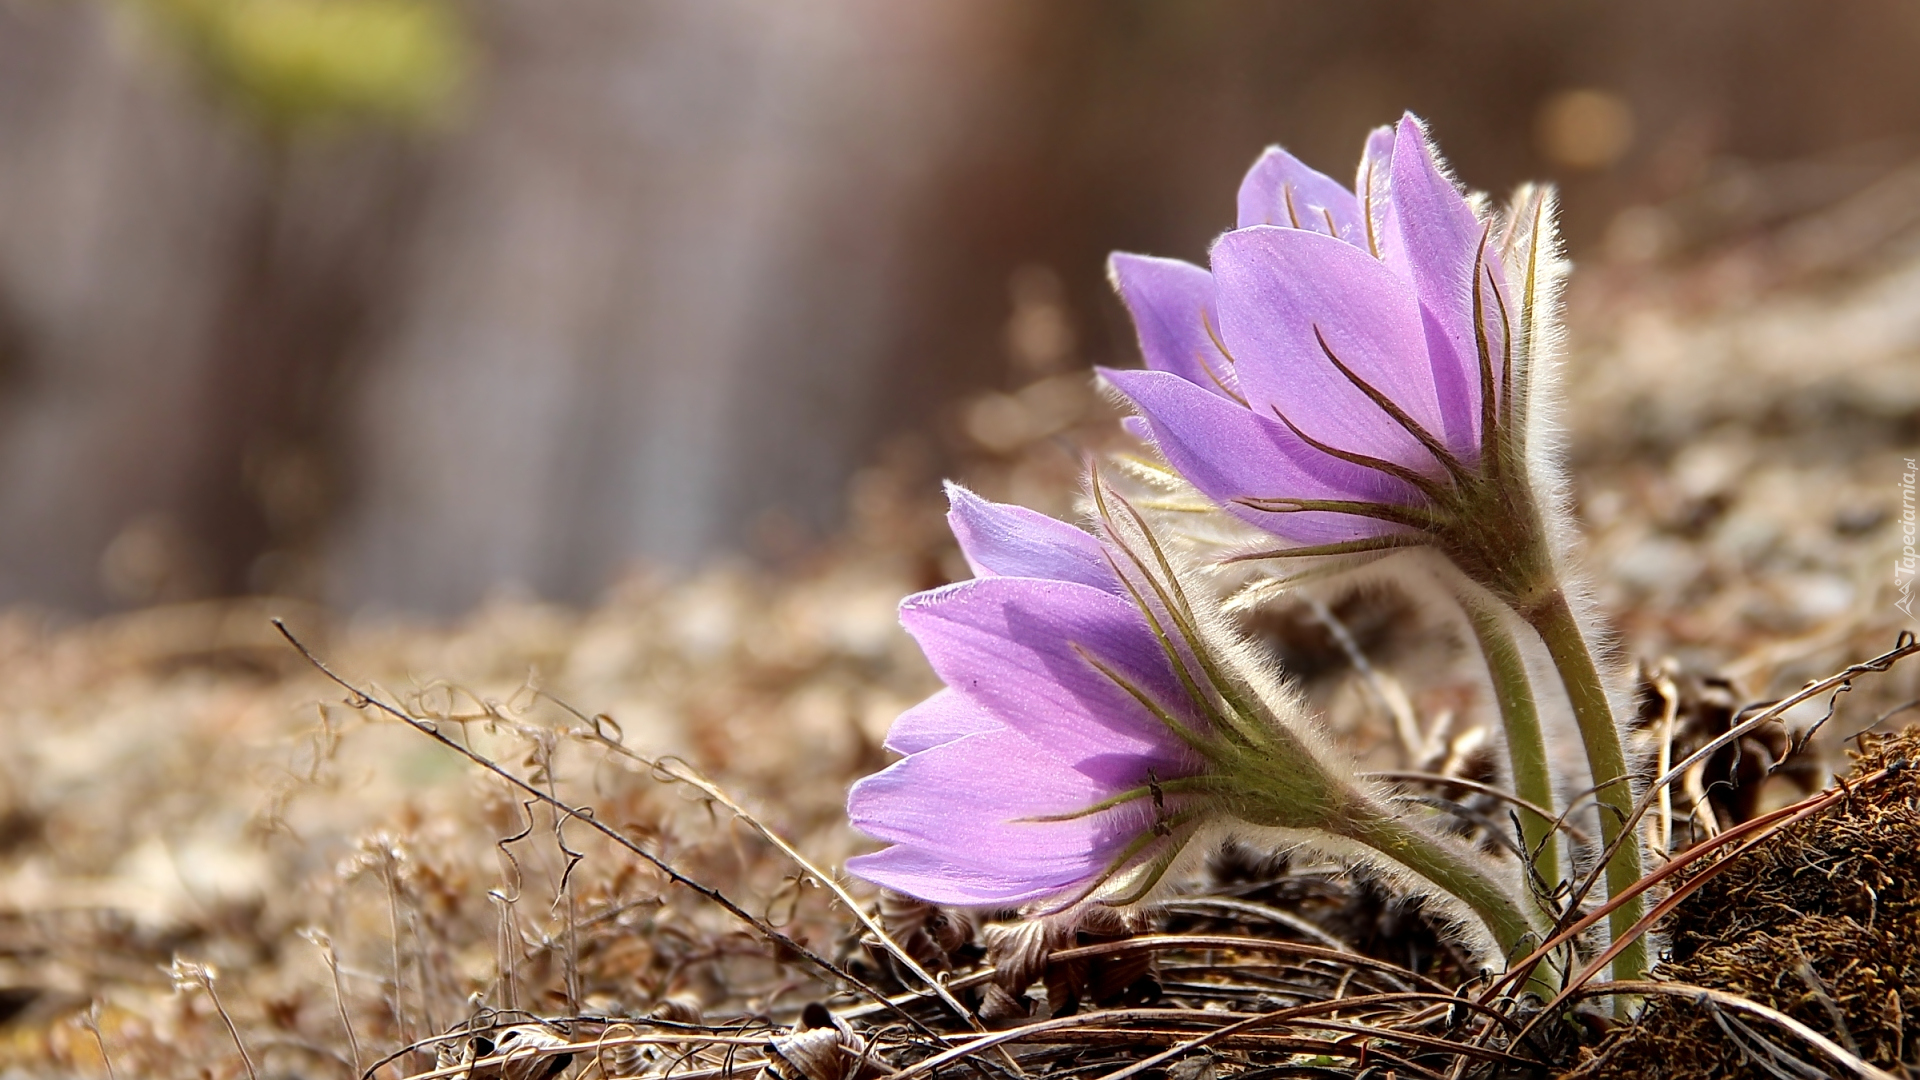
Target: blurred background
x=395 y=304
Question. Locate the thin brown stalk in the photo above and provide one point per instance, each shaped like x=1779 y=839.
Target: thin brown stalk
x=1250 y=909
x=91 y=1021
x=1407 y=776
x=1164 y=942
x=1303 y=1015
x=1129 y=1020
x=324 y=943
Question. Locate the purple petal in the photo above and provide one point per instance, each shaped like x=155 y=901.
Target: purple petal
x=1372 y=181
x=1281 y=190
x=983 y=791
x=1012 y=541
x=1431 y=239
x=961 y=813
x=942 y=718
x=1019 y=647
x=966 y=792
x=959 y=881
x=1231 y=453
x=1172 y=307
x=1281 y=290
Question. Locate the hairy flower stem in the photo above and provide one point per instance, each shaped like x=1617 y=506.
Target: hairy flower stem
x=1455 y=875
x=1278 y=784
x=1553 y=619
x=1526 y=745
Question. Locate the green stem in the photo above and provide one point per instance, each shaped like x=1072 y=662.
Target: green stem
x=1553 y=619
x=1457 y=876
x=1281 y=785
x=1526 y=745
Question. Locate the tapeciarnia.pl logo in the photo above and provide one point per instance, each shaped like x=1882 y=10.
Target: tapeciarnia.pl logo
x=1903 y=568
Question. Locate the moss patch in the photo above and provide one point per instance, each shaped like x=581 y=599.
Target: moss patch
x=1822 y=923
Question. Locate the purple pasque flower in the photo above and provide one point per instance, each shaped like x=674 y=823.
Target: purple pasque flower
x=1344 y=376
x=1093 y=722
x=1051 y=765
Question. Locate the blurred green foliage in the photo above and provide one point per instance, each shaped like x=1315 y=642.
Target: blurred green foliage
x=305 y=65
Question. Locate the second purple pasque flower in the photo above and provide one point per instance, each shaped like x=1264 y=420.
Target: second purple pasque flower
x=1345 y=375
